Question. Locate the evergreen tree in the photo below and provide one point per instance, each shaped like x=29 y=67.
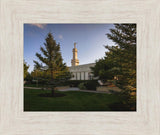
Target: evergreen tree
x=124 y=56
x=25 y=67
x=120 y=60
x=51 y=60
x=102 y=70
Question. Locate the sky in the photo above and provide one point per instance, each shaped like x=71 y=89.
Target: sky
x=90 y=39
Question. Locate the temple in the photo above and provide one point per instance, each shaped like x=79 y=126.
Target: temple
x=74 y=61
x=80 y=72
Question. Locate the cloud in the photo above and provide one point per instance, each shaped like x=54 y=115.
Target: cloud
x=41 y=26
x=60 y=36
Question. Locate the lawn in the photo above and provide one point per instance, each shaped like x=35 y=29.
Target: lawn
x=72 y=101
x=34 y=85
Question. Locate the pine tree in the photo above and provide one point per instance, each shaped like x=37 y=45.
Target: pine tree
x=102 y=69
x=52 y=61
x=124 y=56
x=120 y=60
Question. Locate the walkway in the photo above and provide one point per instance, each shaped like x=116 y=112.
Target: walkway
x=70 y=89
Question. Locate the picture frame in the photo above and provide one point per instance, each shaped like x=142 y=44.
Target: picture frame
x=14 y=121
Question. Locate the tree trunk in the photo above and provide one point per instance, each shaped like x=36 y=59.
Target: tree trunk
x=52 y=91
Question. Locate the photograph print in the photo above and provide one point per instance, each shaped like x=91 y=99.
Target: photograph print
x=79 y=67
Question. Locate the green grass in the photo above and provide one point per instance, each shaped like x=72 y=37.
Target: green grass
x=72 y=101
x=34 y=85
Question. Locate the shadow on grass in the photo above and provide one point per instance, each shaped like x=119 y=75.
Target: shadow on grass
x=50 y=95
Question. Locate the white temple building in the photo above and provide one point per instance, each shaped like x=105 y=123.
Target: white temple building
x=80 y=72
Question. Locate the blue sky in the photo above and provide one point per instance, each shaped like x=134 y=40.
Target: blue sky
x=90 y=40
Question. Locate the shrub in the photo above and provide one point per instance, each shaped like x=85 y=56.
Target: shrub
x=82 y=86
x=74 y=83
x=91 y=84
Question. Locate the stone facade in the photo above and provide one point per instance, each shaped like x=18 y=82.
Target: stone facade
x=82 y=72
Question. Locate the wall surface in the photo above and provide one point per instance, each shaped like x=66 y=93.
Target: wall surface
x=81 y=72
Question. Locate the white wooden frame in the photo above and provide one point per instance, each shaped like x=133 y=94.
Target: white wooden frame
x=145 y=121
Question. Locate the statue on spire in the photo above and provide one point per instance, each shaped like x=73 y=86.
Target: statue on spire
x=75 y=44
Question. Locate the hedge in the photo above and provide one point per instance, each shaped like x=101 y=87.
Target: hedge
x=89 y=84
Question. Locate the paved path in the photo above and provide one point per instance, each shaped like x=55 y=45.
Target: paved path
x=70 y=89
x=77 y=89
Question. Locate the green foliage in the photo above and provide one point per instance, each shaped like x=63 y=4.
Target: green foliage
x=120 y=60
x=25 y=67
x=82 y=86
x=102 y=69
x=28 y=77
x=51 y=67
x=74 y=83
x=124 y=55
x=127 y=101
x=89 y=84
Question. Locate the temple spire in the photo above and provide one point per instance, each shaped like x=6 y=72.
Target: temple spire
x=75 y=60
x=75 y=44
